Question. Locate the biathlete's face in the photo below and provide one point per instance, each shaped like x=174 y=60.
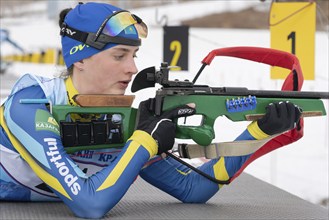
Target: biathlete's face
x=107 y=72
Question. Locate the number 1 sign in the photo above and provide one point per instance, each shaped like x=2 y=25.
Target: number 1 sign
x=292 y=26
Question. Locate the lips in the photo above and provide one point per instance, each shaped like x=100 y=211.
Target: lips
x=124 y=84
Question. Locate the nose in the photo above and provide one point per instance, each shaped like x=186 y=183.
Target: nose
x=131 y=67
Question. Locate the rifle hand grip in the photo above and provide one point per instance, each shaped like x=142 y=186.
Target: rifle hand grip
x=202 y=135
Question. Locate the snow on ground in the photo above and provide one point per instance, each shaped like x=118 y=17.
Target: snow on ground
x=300 y=168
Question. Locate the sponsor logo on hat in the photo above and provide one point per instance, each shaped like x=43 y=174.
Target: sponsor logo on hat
x=78 y=48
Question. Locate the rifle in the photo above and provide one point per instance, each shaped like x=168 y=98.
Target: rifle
x=236 y=103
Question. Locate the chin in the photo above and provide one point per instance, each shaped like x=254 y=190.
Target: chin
x=117 y=92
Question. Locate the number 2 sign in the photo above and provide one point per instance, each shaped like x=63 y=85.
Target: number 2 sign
x=175 y=46
x=292 y=27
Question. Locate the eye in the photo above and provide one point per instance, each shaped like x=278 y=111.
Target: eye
x=119 y=57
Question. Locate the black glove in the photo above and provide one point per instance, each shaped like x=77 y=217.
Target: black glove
x=279 y=117
x=161 y=128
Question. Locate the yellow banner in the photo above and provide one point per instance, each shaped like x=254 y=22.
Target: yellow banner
x=292 y=27
x=48 y=56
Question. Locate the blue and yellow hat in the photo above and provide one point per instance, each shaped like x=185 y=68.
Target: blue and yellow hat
x=93 y=27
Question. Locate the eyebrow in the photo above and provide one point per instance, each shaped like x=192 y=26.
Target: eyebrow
x=125 y=49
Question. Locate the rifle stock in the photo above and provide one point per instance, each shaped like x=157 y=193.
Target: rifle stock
x=61 y=112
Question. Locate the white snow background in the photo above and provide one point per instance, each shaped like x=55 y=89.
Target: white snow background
x=300 y=168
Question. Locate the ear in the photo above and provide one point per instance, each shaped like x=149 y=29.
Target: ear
x=79 y=65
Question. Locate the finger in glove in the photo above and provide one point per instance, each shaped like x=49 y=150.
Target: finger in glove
x=181 y=111
x=279 y=117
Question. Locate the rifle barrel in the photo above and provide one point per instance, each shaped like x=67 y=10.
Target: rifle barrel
x=241 y=91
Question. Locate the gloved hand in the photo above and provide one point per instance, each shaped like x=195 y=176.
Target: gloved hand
x=279 y=117
x=161 y=128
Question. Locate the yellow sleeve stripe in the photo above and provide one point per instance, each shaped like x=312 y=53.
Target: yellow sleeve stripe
x=183 y=173
x=256 y=132
x=138 y=138
x=146 y=140
x=42 y=174
x=220 y=170
x=120 y=167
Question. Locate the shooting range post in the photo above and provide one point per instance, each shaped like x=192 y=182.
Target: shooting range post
x=292 y=26
x=175 y=46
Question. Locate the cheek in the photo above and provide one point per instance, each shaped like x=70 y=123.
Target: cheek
x=104 y=71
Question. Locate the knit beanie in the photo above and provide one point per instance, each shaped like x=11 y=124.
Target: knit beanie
x=89 y=17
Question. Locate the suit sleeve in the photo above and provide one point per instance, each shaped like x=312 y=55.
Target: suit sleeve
x=36 y=137
x=188 y=186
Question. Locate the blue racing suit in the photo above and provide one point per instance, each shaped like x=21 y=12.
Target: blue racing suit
x=35 y=167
